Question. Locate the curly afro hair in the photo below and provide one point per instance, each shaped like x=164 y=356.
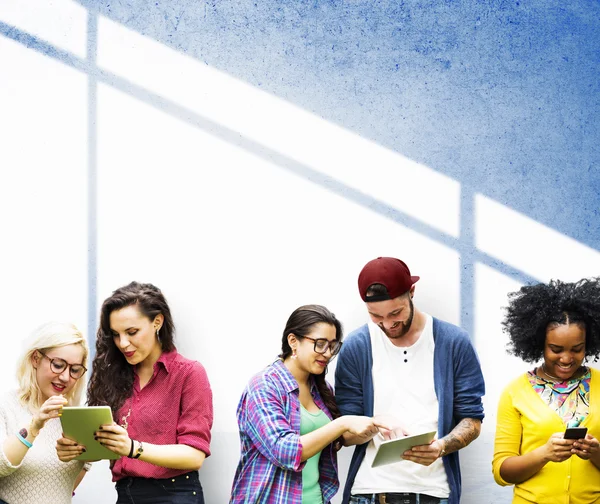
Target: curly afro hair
x=533 y=308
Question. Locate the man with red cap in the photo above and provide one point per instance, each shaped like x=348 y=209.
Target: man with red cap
x=416 y=373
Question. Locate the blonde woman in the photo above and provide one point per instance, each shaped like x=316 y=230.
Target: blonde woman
x=50 y=376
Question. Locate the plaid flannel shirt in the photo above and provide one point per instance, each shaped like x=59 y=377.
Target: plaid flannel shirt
x=270 y=467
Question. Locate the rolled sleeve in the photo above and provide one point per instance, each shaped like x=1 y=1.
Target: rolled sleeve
x=268 y=426
x=196 y=415
x=469 y=385
x=6 y=468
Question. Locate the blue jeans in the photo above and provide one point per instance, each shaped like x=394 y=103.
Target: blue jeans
x=359 y=499
x=182 y=489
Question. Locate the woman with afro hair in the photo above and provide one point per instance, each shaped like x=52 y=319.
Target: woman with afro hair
x=558 y=326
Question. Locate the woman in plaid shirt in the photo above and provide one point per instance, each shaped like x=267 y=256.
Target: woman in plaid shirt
x=290 y=427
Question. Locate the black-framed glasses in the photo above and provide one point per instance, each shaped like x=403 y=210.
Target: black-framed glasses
x=321 y=345
x=58 y=366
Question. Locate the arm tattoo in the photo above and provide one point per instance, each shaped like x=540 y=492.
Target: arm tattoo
x=464 y=432
x=23 y=432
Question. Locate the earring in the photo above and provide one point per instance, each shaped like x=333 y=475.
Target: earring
x=294 y=356
x=158 y=335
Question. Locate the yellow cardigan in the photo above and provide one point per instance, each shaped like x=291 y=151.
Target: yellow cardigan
x=525 y=422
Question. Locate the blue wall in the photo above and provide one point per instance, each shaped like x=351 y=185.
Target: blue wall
x=502 y=96
x=504 y=99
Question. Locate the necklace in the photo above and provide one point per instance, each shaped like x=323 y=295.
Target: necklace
x=125 y=418
x=555 y=378
x=560 y=380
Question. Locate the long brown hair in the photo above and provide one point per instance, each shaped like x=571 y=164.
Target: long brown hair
x=111 y=382
x=300 y=324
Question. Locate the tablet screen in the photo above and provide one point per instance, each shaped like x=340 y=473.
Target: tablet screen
x=391 y=451
x=80 y=423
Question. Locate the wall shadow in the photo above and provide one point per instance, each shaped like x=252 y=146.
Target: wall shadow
x=504 y=98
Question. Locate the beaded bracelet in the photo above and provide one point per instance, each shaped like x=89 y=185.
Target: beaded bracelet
x=23 y=440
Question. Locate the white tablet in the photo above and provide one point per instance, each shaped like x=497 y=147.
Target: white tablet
x=80 y=423
x=391 y=451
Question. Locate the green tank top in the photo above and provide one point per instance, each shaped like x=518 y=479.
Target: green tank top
x=311 y=490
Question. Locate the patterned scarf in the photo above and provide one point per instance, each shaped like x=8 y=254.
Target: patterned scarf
x=569 y=398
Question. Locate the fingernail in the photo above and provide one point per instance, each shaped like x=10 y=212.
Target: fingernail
x=96 y=438
x=100 y=427
x=83 y=449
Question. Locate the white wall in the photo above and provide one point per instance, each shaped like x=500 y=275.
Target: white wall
x=239 y=206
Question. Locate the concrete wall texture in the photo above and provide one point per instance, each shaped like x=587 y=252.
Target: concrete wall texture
x=248 y=157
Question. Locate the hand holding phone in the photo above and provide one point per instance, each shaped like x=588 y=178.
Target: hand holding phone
x=575 y=433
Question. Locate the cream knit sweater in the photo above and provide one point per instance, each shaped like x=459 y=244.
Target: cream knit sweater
x=40 y=477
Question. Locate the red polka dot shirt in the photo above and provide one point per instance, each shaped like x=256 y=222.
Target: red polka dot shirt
x=175 y=407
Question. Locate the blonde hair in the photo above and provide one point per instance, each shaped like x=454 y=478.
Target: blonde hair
x=45 y=338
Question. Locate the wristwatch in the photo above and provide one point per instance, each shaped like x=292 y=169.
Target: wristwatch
x=139 y=450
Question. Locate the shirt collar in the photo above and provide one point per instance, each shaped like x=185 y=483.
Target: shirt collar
x=287 y=378
x=166 y=359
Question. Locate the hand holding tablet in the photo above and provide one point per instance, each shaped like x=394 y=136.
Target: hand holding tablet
x=79 y=423
x=392 y=450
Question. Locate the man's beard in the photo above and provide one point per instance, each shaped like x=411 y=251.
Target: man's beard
x=405 y=325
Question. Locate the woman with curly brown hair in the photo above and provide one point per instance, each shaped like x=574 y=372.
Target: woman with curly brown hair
x=558 y=324
x=161 y=401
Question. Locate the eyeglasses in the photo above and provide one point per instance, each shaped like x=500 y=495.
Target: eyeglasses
x=321 y=345
x=59 y=365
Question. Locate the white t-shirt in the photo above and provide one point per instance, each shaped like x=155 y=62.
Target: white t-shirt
x=404 y=388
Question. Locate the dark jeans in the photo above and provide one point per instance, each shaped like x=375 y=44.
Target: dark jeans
x=182 y=489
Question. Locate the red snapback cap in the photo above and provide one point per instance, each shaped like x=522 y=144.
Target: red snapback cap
x=390 y=272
